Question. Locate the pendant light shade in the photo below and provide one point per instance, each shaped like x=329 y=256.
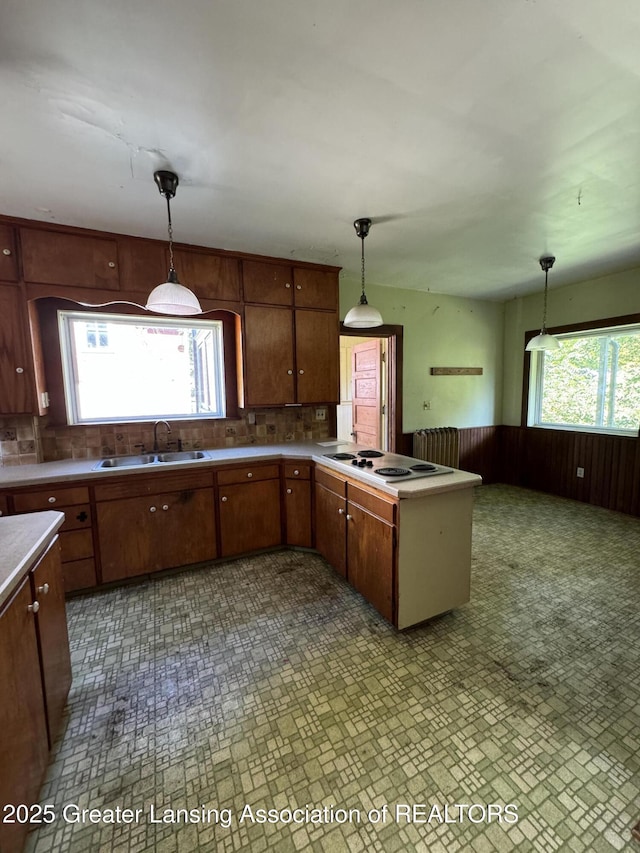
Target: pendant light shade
x=544 y=341
x=171 y=297
x=363 y=315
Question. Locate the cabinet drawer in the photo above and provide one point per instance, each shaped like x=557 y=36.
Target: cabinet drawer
x=332 y=482
x=297 y=471
x=133 y=486
x=76 y=545
x=75 y=517
x=252 y=472
x=51 y=499
x=79 y=574
x=378 y=506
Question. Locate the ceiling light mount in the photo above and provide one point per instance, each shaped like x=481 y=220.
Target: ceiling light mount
x=171 y=297
x=544 y=341
x=362 y=315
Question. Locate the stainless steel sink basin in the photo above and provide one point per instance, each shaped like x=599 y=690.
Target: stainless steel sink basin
x=126 y=461
x=182 y=455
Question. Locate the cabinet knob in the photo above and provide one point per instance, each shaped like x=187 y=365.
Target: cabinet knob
x=287 y=285
x=301 y=372
x=6 y=252
x=52 y=500
x=224 y=499
x=290 y=372
x=341 y=511
x=348 y=517
x=296 y=472
x=165 y=507
x=44 y=589
x=298 y=287
x=111 y=264
x=249 y=475
x=33 y=608
x=152 y=509
x=289 y=491
x=19 y=369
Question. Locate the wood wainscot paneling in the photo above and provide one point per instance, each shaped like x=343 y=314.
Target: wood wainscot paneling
x=548 y=460
x=478 y=451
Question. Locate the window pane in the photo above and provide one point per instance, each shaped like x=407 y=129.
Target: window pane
x=119 y=368
x=592 y=381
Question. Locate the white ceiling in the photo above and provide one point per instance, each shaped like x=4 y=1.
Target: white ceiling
x=477 y=135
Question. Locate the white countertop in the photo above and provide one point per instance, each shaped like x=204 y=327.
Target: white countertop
x=23 y=538
x=83 y=469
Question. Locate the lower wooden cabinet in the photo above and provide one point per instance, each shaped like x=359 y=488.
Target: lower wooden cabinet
x=35 y=674
x=297 y=507
x=331 y=532
x=157 y=531
x=249 y=509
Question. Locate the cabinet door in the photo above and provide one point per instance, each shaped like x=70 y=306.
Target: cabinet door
x=187 y=527
x=315 y=289
x=15 y=372
x=143 y=264
x=370 y=555
x=249 y=517
x=209 y=276
x=269 y=365
x=317 y=357
x=127 y=534
x=23 y=729
x=297 y=505
x=330 y=528
x=270 y=284
x=8 y=257
x=54 y=257
x=48 y=590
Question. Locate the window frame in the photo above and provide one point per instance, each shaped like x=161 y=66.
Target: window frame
x=47 y=313
x=528 y=392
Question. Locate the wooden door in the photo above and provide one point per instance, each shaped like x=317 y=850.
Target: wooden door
x=186 y=525
x=317 y=357
x=270 y=284
x=297 y=504
x=209 y=276
x=48 y=589
x=331 y=528
x=54 y=257
x=370 y=555
x=127 y=534
x=15 y=370
x=249 y=517
x=24 y=746
x=315 y=288
x=366 y=370
x=8 y=256
x=269 y=357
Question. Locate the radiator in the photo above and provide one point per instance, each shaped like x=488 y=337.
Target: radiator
x=439 y=445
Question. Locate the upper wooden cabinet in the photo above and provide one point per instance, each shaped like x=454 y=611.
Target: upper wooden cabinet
x=16 y=393
x=268 y=284
x=317 y=357
x=209 y=276
x=269 y=356
x=143 y=264
x=315 y=288
x=8 y=256
x=76 y=260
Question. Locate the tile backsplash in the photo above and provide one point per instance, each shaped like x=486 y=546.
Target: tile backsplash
x=25 y=439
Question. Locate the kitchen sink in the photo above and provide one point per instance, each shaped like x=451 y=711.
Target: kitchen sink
x=182 y=455
x=126 y=461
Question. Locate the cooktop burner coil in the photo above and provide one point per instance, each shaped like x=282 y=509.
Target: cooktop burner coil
x=370 y=454
x=392 y=472
x=342 y=456
x=423 y=466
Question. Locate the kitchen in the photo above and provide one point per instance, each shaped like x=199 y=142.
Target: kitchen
x=264 y=693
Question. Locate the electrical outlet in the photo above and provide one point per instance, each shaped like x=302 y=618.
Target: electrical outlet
x=580 y=472
x=321 y=414
x=251 y=418
x=426 y=404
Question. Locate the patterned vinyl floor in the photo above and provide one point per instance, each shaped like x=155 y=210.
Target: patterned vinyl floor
x=268 y=684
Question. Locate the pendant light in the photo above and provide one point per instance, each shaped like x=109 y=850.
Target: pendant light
x=362 y=315
x=544 y=341
x=171 y=297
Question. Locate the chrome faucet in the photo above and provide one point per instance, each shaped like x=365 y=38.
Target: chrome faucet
x=155 y=433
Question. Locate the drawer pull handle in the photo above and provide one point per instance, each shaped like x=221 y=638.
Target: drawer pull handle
x=298 y=287
x=287 y=284
x=296 y=472
x=44 y=589
x=348 y=517
x=111 y=264
x=289 y=372
x=6 y=252
x=82 y=516
x=301 y=372
x=33 y=608
x=152 y=509
x=341 y=511
x=165 y=507
x=249 y=474
x=289 y=491
x=52 y=500
x=19 y=369
x=224 y=499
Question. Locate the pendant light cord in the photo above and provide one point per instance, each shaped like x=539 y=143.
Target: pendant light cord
x=544 y=308
x=170 y=230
